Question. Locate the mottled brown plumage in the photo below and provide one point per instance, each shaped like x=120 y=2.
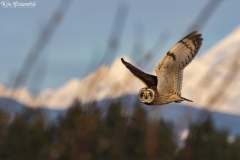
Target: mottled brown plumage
x=167 y=84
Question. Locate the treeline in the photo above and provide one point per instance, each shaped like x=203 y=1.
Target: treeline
x=86 y=133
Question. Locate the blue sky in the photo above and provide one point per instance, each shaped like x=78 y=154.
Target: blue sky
x=85 y=30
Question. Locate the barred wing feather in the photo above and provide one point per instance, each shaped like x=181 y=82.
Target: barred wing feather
x=170 y=69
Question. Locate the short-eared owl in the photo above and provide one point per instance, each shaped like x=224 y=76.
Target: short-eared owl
x=166 y=86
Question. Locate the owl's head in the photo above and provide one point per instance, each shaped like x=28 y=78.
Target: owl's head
x=146 y=95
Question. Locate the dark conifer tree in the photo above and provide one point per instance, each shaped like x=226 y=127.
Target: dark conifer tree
x=135 y=134
x=206 y=142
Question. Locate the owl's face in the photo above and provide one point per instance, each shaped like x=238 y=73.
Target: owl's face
x=146 y=95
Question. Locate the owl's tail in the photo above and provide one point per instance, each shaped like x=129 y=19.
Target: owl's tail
x=186 y=99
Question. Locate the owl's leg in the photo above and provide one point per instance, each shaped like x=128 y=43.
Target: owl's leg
x=182 y=99
x=175 y=98
x=178 y=99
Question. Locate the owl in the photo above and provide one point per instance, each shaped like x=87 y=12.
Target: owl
x=166 y=86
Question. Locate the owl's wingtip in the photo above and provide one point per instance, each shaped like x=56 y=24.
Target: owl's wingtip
x=122 y=60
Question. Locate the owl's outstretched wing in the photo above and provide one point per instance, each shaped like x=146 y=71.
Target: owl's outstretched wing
x=148 y=79
x=170 y=69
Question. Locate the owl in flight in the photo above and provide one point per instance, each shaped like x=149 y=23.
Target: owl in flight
x=166 y=86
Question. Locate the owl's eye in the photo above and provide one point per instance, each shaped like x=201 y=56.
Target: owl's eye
x=150 y=94
x=142 y=94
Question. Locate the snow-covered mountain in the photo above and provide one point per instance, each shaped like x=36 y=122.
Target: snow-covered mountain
x=211 y=80
x=105 y=82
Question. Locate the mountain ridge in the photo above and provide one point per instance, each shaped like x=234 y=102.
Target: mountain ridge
x=202 y=80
